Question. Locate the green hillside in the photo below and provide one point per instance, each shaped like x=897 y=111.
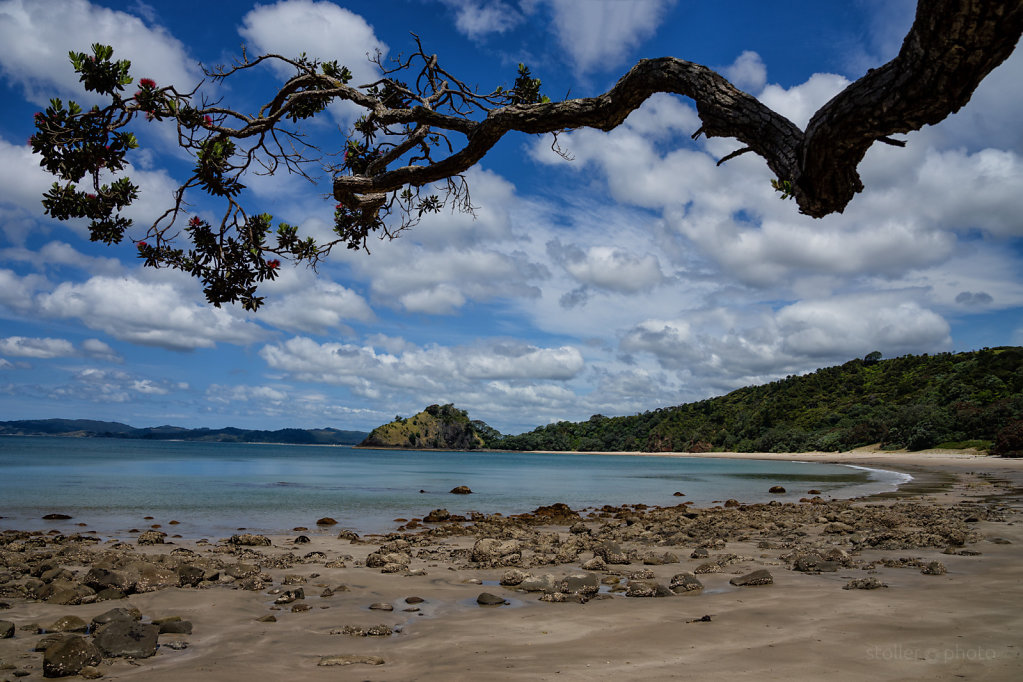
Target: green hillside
x=438 y=427
x=912 y=402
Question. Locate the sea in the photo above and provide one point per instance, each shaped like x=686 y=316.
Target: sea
x=115 y=487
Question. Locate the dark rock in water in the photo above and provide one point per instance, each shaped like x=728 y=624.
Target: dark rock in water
x=69 y=656
x=269 y=618
x=6 y=629
x=151 y=537
x=776 y=489
x=461 y=490
x=870 y=583
x=176 y=627
x=682 y=583
x=290 y=595
x=302 y=540
x=249 y=540
x=56 y=517
x=326 y=521
x=129 y=639
x=67 y=624
x=813 y=492
x=678 y=494
x=437 y=516
x=127 y=614
x=414 y=600
x=933 y=568
x=759 y=577
x=641 y=588
x=381 y=606
x=731 y=503
x=487 y=599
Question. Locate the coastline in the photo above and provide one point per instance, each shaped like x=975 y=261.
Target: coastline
x=960 y=623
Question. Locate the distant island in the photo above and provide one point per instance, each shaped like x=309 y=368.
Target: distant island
x=947 y=400
x=88 y=428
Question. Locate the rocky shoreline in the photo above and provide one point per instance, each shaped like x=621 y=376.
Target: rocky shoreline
x=152 y=607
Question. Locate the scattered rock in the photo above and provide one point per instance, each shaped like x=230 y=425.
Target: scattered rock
x=381 y=606
x=437 y=516
x=461 y=490
x=176 y=627
x=759 y=577
x=704 y=619
x=357 y=631
x=683 y=583
x=776 y=489
x=151 y=537
x=6 y=629
x=130 y=639
x=870 y=583
x=249 y=540
x=350 y=659
x=69 y=656
x=678 y=494
x=933 y=568
x=488 y=599
x=326 y=521
x=67 y=624
x=56 y=517
x=268 y=618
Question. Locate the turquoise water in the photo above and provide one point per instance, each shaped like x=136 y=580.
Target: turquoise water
x=213 y=489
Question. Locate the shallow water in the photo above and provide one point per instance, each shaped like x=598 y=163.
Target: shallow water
x=214 y=489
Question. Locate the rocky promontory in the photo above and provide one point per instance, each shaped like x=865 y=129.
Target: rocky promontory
x=438 y=427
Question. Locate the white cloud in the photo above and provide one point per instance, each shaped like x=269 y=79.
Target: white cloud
x=302 y=301
x=477 y=19
x=100 y=350
x=801 y=102
x=35 y=35
x=146 y=313
x=321 y=30
x=600 y=33
x=23 y=347
x=747 y=72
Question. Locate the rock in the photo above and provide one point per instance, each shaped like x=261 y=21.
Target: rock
x=759 y=577
x=594 y=564
x=153 y=578
x=437 y=516
x=127 y=614
x=299 y=608
x=414 y=600
x=326 y=521
x=56 y=517
x=579 y=528
x=268 y=618
x=383 y=559
x=870 y=583
x=557 y=514
x=349 y=535
x=776 y=489
x=732 y=503
x=683 y=583
x=513 y=577
x=67 y=624
x=381 y=606
x=813 y=492
x=302 y=540
x=488 y=599
x=494 y=552
x=641 y=588
x=69 y=656
x=611 y=553
x=151 y=537
x=709 y=567
x=544 y=583
x=461 y=490
x=190 y=576
x=130 y=639
x=350 y=659
x=699 y=553
x=249 y=540
x=110 y=593
x=933 y=568
x=837 y=527
x=6 y=629
x=289 y=596
x=678 y=494
x=583 y=583
x=90 y=672
x=176 y=627
x=99 y=578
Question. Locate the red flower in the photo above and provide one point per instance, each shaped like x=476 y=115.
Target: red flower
x=207 y=120
x=147 y=83
x=90 y=196
x=142 y=245
x=339 y=207
x=273 y=264
x=194 y=221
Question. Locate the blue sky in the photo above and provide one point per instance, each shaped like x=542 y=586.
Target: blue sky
x=635 y=276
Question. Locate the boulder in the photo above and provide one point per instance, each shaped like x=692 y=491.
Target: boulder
x=488 y=599
x=56 y=517
x=99 y=578
x=513 y=577
x=350 y=659
x=461 y=490
x=189 y=575
x=557 y=514
x=176 y=627
x=437 y=516
x=533 y=583
x=494 y=552
x=68 y=657
x=758 y=577
x=870 y=583
x=6 y=629
x=582 y=583
x=151 y=537
x=127 y=614
x=326 y=521
x=611 y=553
x=130 y=639
x=776 y=489
x=249 y=540
x=67 y=624
x=933 y=568
x=153 y=578
x=683 y=583
x=641 y=588
x=383 y=559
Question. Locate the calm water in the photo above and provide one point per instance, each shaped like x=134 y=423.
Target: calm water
x=212 y=489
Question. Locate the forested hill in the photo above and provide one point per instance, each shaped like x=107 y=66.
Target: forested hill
x=914 y=402
x=87 y=428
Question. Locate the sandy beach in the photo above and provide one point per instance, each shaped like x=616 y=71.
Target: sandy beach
x=946 y=549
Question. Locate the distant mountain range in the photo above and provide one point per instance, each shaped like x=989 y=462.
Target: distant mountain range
x=88 y=428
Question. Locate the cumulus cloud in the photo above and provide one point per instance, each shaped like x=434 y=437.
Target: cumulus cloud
x=747 y=72
x=35 y=38
x=23 y=347
x=600 y=33
x=301 y=301
x=100 y=350
x=479 y=19
x=321 y=30
x=113 y=386
x=146 y=313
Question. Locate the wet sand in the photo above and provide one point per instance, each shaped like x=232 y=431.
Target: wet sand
x=960 y=510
